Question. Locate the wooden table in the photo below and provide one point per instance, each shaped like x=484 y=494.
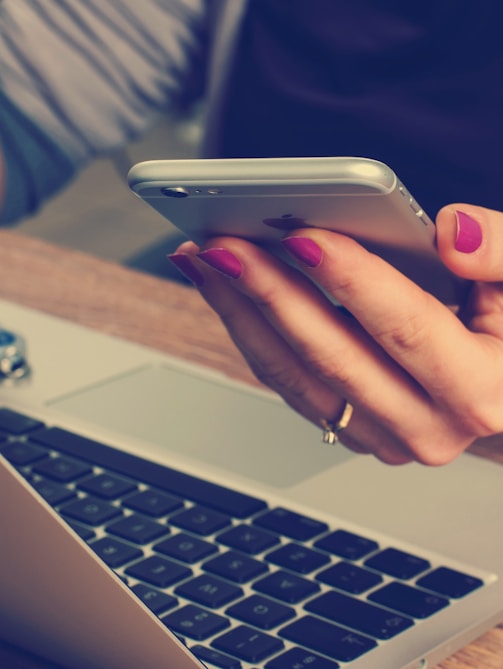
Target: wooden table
x=165 y=316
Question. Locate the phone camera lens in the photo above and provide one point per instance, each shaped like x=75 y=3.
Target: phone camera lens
x=175 y=192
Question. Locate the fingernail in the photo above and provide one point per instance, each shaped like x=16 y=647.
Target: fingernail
x=304 y=250
x=468 y=233
x=185 y=266
x=223 y=261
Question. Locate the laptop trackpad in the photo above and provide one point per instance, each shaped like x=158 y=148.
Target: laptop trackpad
x=207 y=419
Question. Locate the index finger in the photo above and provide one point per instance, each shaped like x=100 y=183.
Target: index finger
x=414 y=328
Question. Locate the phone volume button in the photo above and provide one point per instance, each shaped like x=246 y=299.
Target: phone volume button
x=415 y=207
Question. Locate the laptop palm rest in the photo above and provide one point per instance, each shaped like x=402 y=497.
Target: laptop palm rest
x=221 y=424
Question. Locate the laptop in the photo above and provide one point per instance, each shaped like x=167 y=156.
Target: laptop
x=154 y=513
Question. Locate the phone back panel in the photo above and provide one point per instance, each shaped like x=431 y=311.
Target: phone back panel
x=264 y=199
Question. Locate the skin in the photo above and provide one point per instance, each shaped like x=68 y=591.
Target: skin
x=424 y=382
x=1 y=179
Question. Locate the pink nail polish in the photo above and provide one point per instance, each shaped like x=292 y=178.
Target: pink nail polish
x=223 y=261
x=304 y=250
x=468 y=233
x=185 y=265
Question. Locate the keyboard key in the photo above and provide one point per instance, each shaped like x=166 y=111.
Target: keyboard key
x=347 y=545
x=158 y=602
x=216 y=659
x=299 y=658
x=247 y=539
x=397 y=563
x=90 y=511
x=327 y=638
x=158 y=571
x=286 y=587
x=115 y=553
x=185 y=548
x=153 y=503
x=22 y=453
x=408 y=600
x=448 y=582
x=107 y=486
x=195 y=623
x=63 y=470
x=358 y=615
x=235 y=567
x=54 y=493
x=164 y=478
x=261 y=612
x=137 y=529
x=16 y=423
x=209 y=591
x=248 y=644
x=298 y=558
x=349 y=577
x=83 y=532
x=291 y=524
x=200 y=520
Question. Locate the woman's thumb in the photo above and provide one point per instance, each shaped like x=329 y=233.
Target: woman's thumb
x=470 y=241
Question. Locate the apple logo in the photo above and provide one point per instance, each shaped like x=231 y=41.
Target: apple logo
x=286 y=222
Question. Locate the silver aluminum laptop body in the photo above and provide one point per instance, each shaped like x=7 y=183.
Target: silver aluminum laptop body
x=58 y=599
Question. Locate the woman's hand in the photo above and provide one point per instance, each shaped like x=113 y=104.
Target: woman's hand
x=424 y=382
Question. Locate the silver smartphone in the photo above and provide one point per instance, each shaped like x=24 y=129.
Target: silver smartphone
x=261 y=199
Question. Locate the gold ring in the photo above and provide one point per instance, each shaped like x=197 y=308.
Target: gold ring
x=332 y=428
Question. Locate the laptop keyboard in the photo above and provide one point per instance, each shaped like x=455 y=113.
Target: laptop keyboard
x=241 y=583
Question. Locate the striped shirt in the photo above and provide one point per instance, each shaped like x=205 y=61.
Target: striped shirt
x=80 y=78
